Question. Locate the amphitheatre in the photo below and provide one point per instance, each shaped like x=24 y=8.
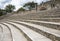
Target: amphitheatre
x=32 y=25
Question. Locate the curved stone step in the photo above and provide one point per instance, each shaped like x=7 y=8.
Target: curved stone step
x=53 y=34
x=16 y=33
x=53 y=25
x=6 y=33
x=1 y=33
x=47 y=19
x=34 y=36
x=41 y=28
x=1 y=29
x=44 y=22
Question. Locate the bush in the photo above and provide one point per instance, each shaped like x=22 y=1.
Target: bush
x=9 y=8
x=2 y=12
x=21 y=9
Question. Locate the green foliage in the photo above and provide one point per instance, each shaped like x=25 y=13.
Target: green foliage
x=9 y=8
x=21 y=9
x=2 y=12
x=30 y=5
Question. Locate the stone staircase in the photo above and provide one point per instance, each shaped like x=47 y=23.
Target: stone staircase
x=49 y=15
x=39 y=26
x=13 y=30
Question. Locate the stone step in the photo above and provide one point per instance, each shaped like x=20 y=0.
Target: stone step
x=48 y=32
x=6 y=33
x=1 y=33
x=54 y=25
x=46 y=19
x=16 y=33
x=34 y=36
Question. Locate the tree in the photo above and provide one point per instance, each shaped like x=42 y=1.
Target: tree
x=30 y=5
x=21 y=9
x=2 y=12
x=9 y=8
